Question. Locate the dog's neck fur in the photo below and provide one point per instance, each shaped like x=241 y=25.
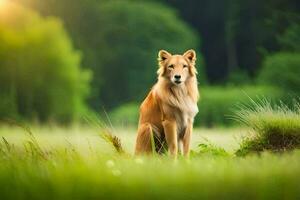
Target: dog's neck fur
x=183 y=96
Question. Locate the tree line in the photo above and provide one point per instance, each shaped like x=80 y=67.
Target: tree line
x=83 y=55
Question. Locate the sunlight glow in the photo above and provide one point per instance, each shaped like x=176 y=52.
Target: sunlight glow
x=2 y=2
x=3 y=5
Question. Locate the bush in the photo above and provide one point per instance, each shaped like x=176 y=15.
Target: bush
x=290 y=40
x=217 y=103
x=238 y=77
x=275 y=128
x=282 y=70
x=131 y=35
x=40 y=74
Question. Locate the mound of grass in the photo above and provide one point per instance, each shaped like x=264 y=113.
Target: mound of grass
x=275 y=128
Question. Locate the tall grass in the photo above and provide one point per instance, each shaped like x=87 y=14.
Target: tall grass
x=106 y=132
x=31 y=171
x=275 y=128
x=64 y=173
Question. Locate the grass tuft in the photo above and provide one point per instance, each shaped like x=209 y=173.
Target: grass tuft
x=275 y=128
x=209 y=149
x=106 y=132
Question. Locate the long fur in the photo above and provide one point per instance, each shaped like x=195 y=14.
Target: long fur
x=168 y=102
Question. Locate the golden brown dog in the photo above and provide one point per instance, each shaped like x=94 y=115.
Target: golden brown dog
x=167 y=113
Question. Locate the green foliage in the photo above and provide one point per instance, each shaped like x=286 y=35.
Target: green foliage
x=40 y=74
x=231 y=35
x=282 y=70
x=82 y=21
x=239 y=77
x=126 y=114
x=216 y=104
x=120 y=41
x=209 y=149
x=235 y=33
x=290 y=40
x=32 y=168
x=132 y=33
x=274 y=128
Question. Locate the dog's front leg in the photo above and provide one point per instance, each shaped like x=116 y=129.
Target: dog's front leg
x=187 y=138
x=171 y=136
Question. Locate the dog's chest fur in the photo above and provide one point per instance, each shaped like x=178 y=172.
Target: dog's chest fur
x=182 y=120
x=182 y=107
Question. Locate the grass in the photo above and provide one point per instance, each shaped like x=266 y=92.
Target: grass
x=210 y=149
x=76 y=163
x=274 y=128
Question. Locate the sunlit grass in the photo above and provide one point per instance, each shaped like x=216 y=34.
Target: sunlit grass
x=96 y=162
x=76 y=163
x=32 y=172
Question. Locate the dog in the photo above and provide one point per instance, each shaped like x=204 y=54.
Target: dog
x=168 y=111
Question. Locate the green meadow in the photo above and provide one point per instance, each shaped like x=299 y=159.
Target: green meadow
x=62 y=62
x=79 y=162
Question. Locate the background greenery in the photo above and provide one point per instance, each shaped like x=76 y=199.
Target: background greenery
x=62 y=59
x=216 y=107
x=40 y=72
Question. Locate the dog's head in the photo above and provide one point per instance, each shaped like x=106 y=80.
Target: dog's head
x=177 y=68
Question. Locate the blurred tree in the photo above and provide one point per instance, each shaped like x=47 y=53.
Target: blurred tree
x=290 y=40
x=208 y=18
x=237 y=34
x=120 y=41
x=283 y=66
x=40 y=74
x=282 y=70
x=82 y=21
x=238 y=77
x=259 y=25
x=133 y=33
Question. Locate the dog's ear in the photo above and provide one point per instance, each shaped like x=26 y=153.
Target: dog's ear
x=191 y=56
x=163 y=55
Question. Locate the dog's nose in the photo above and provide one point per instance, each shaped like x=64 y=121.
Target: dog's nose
x=177 y=77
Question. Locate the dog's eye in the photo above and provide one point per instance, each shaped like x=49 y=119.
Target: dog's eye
x=171 y=66
x=184 y=66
